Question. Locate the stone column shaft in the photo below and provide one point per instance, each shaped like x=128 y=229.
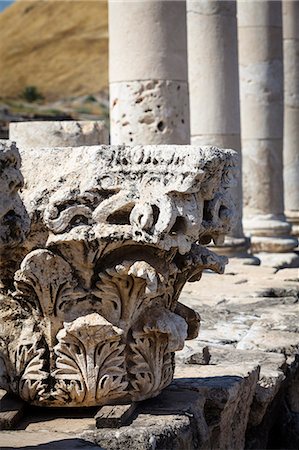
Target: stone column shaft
x=261 y=88
x=148 y=72
x=214 y=90
x=291 y=112
x=213 y=72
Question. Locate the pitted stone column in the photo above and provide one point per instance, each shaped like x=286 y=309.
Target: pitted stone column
x=58 y=133
x=214 y=93
x=148 y=72
x=261 y=88
x=291 y=111
x=94 y=316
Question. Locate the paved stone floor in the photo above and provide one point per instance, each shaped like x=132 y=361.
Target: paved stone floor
x=249 y=307
x=236 y=386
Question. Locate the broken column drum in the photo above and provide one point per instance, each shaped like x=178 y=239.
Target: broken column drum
x=62 y=133
x=94 y=317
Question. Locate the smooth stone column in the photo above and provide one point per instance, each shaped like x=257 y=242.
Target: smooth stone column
x=148 y=72
x=14 y=220
x=214 y=93
x=261 y=92
x=290 y=11
x=58 y=133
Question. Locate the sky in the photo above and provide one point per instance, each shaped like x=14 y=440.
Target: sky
x=5 y=3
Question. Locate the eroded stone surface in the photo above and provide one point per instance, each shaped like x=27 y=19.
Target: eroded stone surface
x=151 y=111
x=61 y=191
x=67 y=133
x=14 y=220
x=250 y=316
x=95 y=318
x=234 y=300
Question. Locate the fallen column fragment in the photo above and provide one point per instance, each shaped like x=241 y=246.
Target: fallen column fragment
x=68 y=133
x=94 y=318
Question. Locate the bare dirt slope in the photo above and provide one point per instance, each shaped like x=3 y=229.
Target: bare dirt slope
x=61 y=47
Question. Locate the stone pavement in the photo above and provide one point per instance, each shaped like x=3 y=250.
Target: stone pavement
x=236 y=385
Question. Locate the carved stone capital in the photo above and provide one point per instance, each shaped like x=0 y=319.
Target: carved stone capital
x=94 y=315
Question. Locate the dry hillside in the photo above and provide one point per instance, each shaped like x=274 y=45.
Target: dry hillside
x=61 y=47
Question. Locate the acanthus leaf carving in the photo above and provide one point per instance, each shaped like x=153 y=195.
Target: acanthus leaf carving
x=152 y=368
x=98 y=296
x=90 y=361
x=46 y=280
x=126 y=288
x=158 y=333
x=30 y=364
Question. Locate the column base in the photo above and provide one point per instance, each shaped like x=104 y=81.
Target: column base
x=293 y=218
x=272 y=242
x=238 y=248
x=270 y=235
x=279 y=260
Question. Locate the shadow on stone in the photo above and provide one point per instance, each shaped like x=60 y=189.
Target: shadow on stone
x=62 y=444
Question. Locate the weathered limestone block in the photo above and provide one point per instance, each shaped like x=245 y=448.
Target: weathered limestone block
x=14 y=221
x=67 y=133
x=94 y=318
x=204 y=408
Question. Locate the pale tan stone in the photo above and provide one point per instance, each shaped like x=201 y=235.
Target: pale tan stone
x=213 y=73
x=149 y=101
x=261 y=88
x=214 y=92
x=67 y=133
x=94 y=316
x=149 y=111
x=154 y=34
x=291 y=112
